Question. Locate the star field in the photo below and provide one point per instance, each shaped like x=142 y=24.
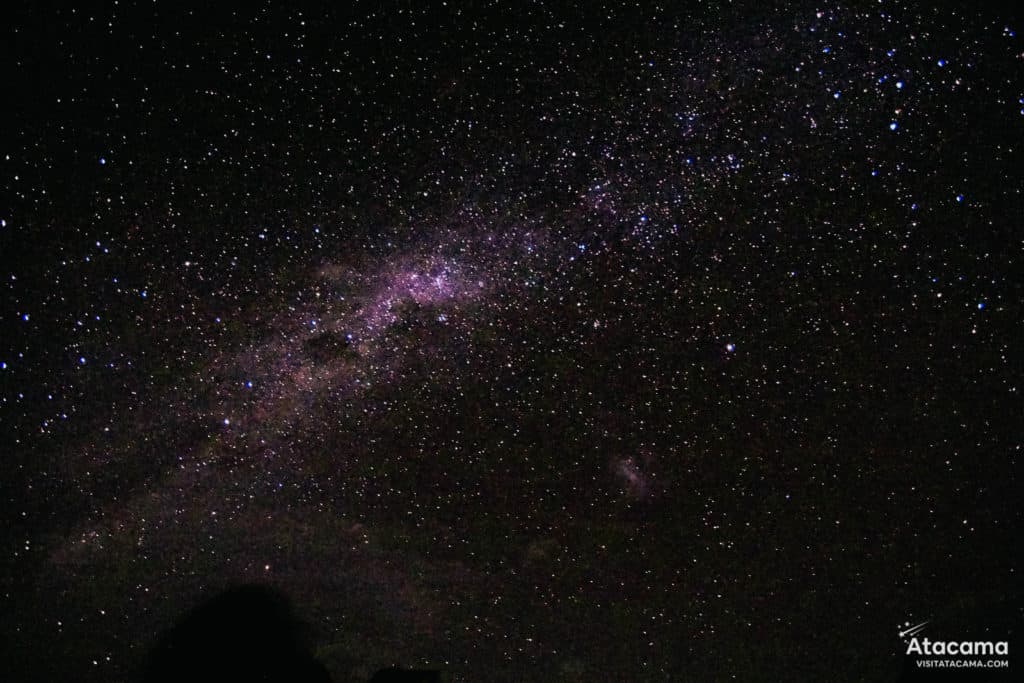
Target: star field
x=524 y=342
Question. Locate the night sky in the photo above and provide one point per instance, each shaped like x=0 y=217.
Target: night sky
x=523 y=341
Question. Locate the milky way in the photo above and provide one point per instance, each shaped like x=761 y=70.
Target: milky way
x=523 y=343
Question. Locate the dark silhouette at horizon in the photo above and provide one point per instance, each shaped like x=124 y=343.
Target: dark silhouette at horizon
x=247 y=633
